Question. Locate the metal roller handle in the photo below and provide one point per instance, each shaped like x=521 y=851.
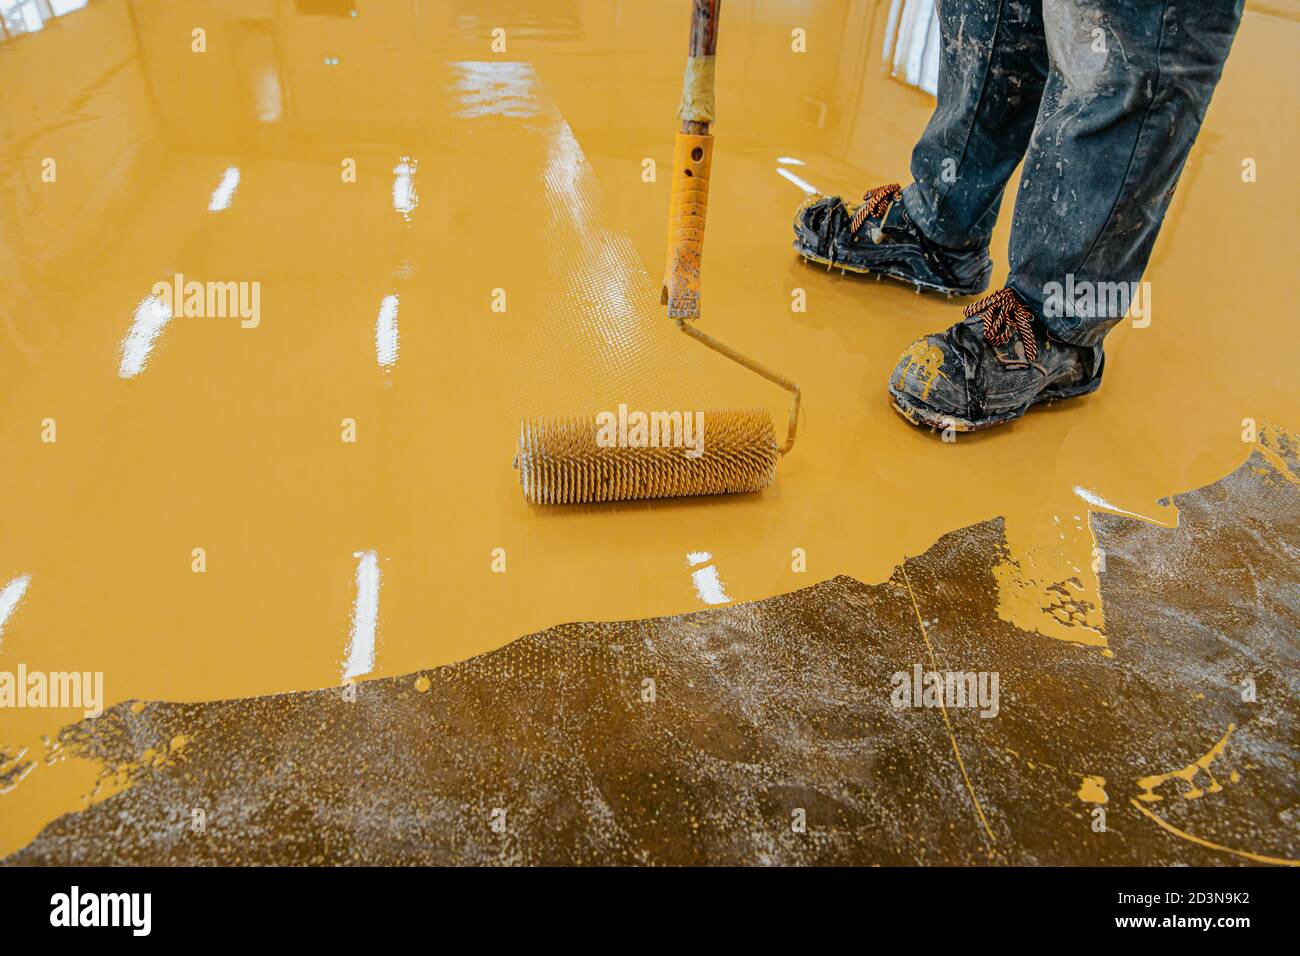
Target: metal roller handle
x=776 y=378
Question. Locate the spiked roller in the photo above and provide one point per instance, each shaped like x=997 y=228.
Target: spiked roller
x=561 y=462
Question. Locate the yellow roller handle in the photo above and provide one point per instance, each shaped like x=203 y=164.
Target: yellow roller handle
x=687 y=208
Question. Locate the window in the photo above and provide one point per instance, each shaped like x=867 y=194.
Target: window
x=28 y=16
x=912 y=43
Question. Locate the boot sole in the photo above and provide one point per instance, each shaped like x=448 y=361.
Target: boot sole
x=919 y=413
x=896 y=276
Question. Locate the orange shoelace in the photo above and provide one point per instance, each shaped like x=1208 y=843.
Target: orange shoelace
x=1003 y=313
x=876 y=203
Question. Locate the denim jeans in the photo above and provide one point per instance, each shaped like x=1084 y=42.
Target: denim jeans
x=1102 y=99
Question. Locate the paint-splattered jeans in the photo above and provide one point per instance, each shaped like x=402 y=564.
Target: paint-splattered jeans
x=1101 y=98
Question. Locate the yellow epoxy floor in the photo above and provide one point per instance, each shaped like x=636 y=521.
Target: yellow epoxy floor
x=520 y=172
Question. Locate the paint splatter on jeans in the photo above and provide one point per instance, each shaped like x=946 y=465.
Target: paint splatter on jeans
x=1101 y=98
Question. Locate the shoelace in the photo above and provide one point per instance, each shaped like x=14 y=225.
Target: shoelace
x=876 y=203
x=1003 y=313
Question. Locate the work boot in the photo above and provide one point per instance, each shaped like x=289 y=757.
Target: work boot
x=878 y=236
x=990 y=368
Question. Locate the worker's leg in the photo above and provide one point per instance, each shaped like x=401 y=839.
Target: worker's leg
x=993 y=60
x=992 y=67
x=1130 y=83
